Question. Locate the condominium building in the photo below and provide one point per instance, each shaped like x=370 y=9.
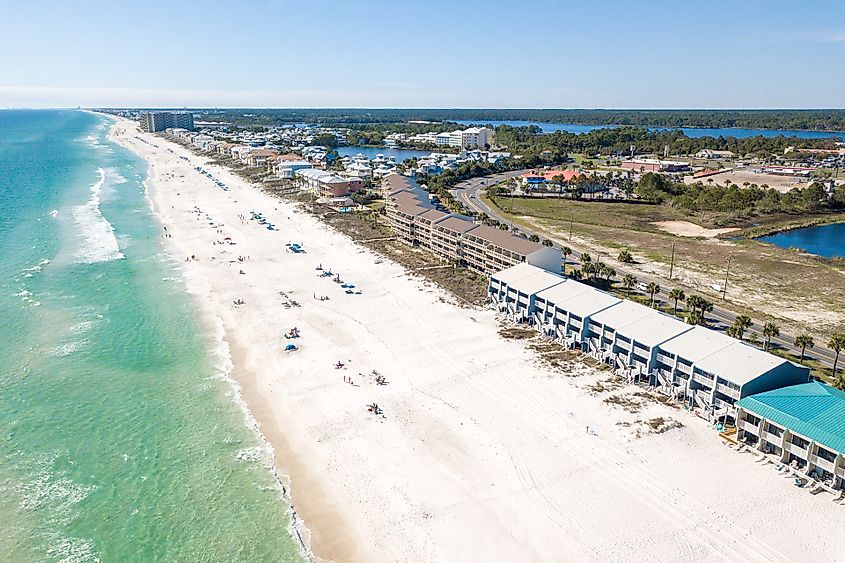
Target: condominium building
x=801 y=426
x=708 y=370
x=153 y=121
x=327 y=185
x=456 y=238
x=474 y=137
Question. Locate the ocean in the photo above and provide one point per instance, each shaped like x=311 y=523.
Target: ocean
x=121 y=436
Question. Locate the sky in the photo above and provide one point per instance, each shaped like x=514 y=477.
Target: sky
x=408 y=53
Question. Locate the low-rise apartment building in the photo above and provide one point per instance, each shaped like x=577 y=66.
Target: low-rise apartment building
x=325 y=184
x=707 y=369
x=801 y=426
x=457 y=238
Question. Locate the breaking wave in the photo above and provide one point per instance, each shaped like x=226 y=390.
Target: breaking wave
x=100 y=243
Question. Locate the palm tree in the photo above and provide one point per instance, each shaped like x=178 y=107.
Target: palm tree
x=770 y=330
x=741 y=324
x=676 y=295
x=652 y=288
x=566 y=251
x=586 y=258
x=706 y=306
x=693 y=303
x=629 y=281
x=836 y=343
x=804 y=341
x=609 y=273
x=695 y=318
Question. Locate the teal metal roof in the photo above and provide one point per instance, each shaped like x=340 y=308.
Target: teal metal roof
x=814 y=410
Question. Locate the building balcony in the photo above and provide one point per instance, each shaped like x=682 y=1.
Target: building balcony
x=771 y=438
x=665 y=360
x=698 y=378
x=821 y=462
x=722 y=404
x=729 y=391
x=796 y=449
x=747 y=427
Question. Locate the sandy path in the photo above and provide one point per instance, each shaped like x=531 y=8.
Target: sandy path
x=688 y=229
x=482 y=455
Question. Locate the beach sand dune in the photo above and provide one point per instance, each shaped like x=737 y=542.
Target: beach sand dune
x=481 y=454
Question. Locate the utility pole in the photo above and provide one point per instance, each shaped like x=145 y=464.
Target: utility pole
x=672 y=262
x=727 y=271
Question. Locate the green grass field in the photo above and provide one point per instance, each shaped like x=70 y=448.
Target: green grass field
x=793 y=288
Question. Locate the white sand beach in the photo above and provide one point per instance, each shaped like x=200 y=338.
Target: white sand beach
x=482 y=453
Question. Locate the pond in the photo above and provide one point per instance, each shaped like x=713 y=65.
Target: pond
x=822 y=240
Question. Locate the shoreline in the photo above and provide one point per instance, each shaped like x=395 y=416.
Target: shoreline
x=482 y=453
x=230 y=367
x=755 y=233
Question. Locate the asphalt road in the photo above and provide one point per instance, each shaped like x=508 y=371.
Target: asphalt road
x=467 y=192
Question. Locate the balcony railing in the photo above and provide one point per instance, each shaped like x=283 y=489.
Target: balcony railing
x=821 y=462
x=796 y=449
x=747 y=426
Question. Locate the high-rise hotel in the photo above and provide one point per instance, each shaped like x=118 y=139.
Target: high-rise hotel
x=153 y=121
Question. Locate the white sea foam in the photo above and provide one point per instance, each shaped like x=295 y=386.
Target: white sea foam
x=250 y=454
x=100 y=243
x=116 y=177
x=82 y=326
x=68 y=348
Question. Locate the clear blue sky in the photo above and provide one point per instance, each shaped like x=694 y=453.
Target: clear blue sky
x=460 y=53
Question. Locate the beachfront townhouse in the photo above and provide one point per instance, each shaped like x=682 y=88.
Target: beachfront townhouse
x=801 y=426
x=707 y=369
x=515 y=289
x=627 y=336
x=405 y=208
x=500 y=249
x=446 y=239
x=458 y=238
x=424 y=226
x=564 y=311
x=712 y=371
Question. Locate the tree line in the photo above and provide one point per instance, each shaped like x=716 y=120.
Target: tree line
x=814 y=120
x=750 y=199
x=618 y=141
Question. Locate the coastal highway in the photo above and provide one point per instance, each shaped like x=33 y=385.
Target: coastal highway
x=468 y=191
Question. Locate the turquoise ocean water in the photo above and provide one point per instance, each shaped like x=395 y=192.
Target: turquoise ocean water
x=120 y=436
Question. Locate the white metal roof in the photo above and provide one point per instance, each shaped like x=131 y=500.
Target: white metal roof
x=697 y=343
x=621 y=314
x=528 y=279
x=654 y=328
x=739 y=363
x=578 y=298
x=563 y=292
